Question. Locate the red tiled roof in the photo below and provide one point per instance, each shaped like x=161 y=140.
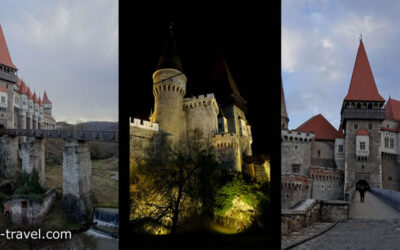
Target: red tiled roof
x=19 y=82
x=339 y=133
x=23 y=88
x=392 y=109
x=5 y=57
x=390 y=129
x=362 y=85
x=35 y=100
x=362 y=131
x=2 y=89
x=46 y=99
x=320 y=127
x=29 y=93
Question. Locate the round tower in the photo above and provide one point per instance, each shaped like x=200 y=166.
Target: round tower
x=169 y=88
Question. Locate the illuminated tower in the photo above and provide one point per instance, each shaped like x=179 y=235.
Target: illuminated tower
x=169 y=88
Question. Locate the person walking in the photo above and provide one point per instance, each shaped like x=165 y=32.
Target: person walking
x=362 y=193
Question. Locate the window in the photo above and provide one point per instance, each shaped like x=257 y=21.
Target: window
x=24 y=204
x=319 y=153
x=386 y=142
x=296 y=168
x=3 y=99
x=355 y=126
x=295 y=146
x=370 y=126
x=391 y=143
x=340 y=148
x=362 y=145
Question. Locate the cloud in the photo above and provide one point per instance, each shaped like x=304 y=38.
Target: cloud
x=319 y=46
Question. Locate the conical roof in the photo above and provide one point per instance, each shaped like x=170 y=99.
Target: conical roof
x=169 y=57
x=362 y=85
x=320 y=127
x=46 y=99
x=35 y=100
x=392 y=109
x=339 y=133
x=283 y=103
x=225 y=86
x=5 y=57
x=23 y=88
x=29 y=93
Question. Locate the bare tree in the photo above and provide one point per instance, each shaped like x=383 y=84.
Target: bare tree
x=175 y=179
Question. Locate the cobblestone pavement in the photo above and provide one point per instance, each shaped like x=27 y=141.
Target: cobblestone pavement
x=304 y=234
x=358 y=234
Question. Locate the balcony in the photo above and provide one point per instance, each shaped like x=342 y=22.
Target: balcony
x=363 y=114
x=8 y=76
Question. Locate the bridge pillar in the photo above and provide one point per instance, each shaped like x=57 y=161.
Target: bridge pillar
x=78 y=196
x=22 y=124
x=9 y=163
x=33 y=158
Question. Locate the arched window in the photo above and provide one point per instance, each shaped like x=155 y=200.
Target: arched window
x=386 y=142
x=391 y=143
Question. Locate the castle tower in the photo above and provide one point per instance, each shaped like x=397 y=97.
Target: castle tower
x=40 y=120
x=23 y=108
x=284 y=114
x=361 y=116
x=169 y=88
x=35 y=111
x=47 y=105
x=29 y=115
x=8 y=78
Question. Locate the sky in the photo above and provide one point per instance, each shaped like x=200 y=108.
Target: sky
x=320 y=40
x=70 y=49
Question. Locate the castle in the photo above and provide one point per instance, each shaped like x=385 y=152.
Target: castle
x=220 y=116
x=19 y=108
x=325 y=163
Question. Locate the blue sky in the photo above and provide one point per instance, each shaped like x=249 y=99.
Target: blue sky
x=70 y=49
x=319 y=46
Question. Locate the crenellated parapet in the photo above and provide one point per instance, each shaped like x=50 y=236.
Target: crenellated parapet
x=226 y=140
x=294 y=136
x=200 y=101
x=295 y=181
x=327 y=174
x=138 y=123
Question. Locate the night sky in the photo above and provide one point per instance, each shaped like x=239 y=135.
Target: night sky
x=252 y=56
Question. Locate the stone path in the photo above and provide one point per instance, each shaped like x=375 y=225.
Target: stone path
x=304 y=234
x=358 y=234
x=372 y=225
x=373 y=207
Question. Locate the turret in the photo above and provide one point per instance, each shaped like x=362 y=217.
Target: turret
x=47 y=105
x=169 y=88
x=35 y=111
x=40 y=121
x=29 y=116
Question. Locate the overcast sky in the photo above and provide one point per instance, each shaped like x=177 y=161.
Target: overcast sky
x=319 y=46
x=70 y=49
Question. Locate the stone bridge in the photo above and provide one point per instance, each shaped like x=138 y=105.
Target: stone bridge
x=372 y=224
x=24 y=149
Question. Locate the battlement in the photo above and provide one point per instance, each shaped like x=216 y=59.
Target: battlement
x=295 y=180
x=326 y=173
x=144 y=124
x=294 y=136
x=198 y=101
x=225 y=140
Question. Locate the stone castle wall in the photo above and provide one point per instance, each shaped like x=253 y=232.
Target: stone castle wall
x=327 y=184
x=369 y=170
x=390 y=172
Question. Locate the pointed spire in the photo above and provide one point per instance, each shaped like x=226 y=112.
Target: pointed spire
x=362 y=85
x=340 y=133
x=284 y=114
x=224 y=85
x=45 y=98
x=392 y=109
x=34 y=97
x=5 y=57
x=29 y=93
x=40 y=102
x=169 y=57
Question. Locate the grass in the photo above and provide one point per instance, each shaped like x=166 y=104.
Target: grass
x=105 y=188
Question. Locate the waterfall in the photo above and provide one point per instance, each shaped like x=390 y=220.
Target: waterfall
x=106 y=217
